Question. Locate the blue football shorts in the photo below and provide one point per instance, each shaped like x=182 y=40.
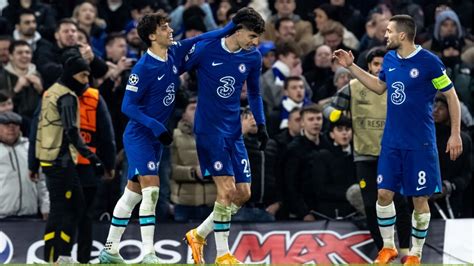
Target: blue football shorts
x=222 y=156
x=409 y=172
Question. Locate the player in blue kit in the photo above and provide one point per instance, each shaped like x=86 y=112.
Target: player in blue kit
x=223 y=66
x=409 y=159
x=148 y=102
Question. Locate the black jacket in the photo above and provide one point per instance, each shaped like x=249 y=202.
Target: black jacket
x=457 y=172
x=333 y=173
x=299 y=187
x=261 y=167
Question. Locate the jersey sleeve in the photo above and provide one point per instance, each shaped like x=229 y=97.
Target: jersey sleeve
x=138 y=84
x=438 y=76
x=191 y=60
x=181 y=48
x=253 y=90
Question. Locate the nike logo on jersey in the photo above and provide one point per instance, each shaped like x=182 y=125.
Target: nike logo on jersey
x=159 y=78
x=391 y=69
x=216 y=64
x=420 y=188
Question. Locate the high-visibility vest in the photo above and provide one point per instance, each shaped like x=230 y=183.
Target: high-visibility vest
x=88 y=103
x=49 y=136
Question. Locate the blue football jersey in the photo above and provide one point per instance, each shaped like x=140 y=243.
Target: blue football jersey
x=151 y=88
x=412 y=83
x=221 y=76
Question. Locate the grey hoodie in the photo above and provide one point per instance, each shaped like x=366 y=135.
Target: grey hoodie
x=441 y=17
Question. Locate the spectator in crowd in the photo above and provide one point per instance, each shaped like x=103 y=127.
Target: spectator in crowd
x=285 y=31
x=299 y=188
x=333 y=172
x=349 y=16
x=85 y=15
x=456 y=175
x=263 y=204
x=135 y=44
x=446 y=24
x=20 y=78
x=341 y=78
x=285 y=9
x=408 y=7
x=368 y=112
x=113 y=86
x=5 y=42
x=116 y=14
x=294 y=98
x=271 y=82
x=374 y=37
x=221 y=13
x=282 y=139
x=57 y=148
x=50 y=64
x=45 y=16
x=25 y=29
x=458 y=72
x=6 y=102
x=20 y=195
x=193 y=22
x=333 y=34
x=177 y=16
x=319 y=74
x=267 y=49
x=327 y=14
x=192 y=195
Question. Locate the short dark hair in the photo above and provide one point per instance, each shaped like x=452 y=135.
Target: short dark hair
x=287 y=81
x=5 y=95
x=147 y=25
x=65 y=21
x=280 y=21
x=284 y=48
x=88 y=38
x=6 y=38
x=406 y=24
x=375 y=52
x=294 y=110
x=343 y=121
x=113 y=36
x=24 y=12
x=312 y=108
x=333 y=27
x=17 y=43
x=250 y=20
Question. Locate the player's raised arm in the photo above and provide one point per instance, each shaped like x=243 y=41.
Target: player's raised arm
x=185 y=45
x=346 y=59
x=135 y=89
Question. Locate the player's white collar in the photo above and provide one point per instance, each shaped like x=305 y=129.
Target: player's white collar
x=157 y=57
x=227 y=49
x=418 y=48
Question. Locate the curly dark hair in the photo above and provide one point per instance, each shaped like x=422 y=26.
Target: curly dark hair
x=147 y=25
x=249 y=19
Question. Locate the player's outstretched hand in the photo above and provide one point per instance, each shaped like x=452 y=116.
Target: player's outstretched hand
x=262 y=136
x=454 y=147
x=165 y=138
x=346 y=59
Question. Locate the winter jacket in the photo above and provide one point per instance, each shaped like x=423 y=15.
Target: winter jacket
x=18 y=194
x=186 y=189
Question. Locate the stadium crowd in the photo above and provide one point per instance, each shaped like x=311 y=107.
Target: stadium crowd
x=307 y=171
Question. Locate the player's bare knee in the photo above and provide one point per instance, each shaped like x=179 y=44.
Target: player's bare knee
x=384 y=197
